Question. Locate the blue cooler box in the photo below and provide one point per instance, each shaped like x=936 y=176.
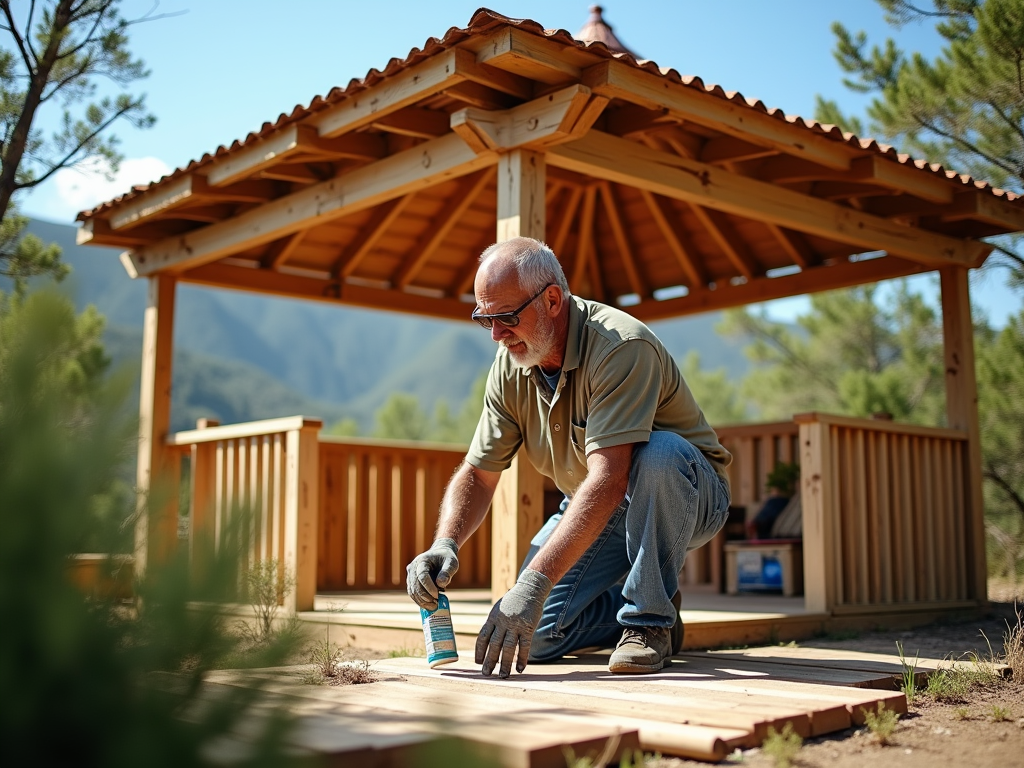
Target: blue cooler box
x=758 y=572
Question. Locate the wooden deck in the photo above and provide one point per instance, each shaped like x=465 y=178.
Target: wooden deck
x=701 y=706
x=388 y=621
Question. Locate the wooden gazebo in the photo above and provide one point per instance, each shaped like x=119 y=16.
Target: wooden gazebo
x=660 y=194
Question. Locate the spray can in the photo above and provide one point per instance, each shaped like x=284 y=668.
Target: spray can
x=439 y=633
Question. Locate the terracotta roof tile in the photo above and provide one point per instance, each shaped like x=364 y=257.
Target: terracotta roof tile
x=483 y=21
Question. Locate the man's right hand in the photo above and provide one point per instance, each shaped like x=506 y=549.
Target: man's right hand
x=432 y=570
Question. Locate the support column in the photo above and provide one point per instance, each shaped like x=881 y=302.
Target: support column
x=158 y=469
x=518 y=508
x=962 y=413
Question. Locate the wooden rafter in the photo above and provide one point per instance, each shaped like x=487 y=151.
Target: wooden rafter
x=821 y=278
x=468 y=191
x=724 y=235
x=584 y=237
x=525 y=54
x=221 y=275
x=565 y=222
x=379 y=223
x=729 y=149
x=678 y=241
x=393 y=177
x=795 y=245
x=280 y=250
x=554 y=187
x=299 y=173
x=616 y=79
x=626 y=250
x=626 y=162
x=477 y=95
x=416 y=122
x=463 y=284
x=630 y=120
x=597 y=287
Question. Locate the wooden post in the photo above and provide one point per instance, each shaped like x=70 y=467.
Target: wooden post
x=962 y=413
x=820 y=551
x=301 y=507
x=158 y=469
x=518 y=507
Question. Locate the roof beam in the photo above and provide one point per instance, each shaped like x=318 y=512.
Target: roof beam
x=280 y=250
x=794 y=244
x=367 y=238
x=560 y=116
x=632 y=119
x=297 y=173
x=626 y=249
x=678 y=242
x=724 y=235
x=615 y=79
x=396 y=176
x=285 y=284
x=477 y=95
x=163 y=198
x=584 y=236
x=822 y=278
x=468 y=191
x=527 y=55
x=416 y=122
x=904 y=178
x=729 y=149
x=565 y=222
x=626 y=162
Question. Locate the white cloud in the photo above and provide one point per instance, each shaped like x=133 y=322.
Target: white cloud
x=72 y=190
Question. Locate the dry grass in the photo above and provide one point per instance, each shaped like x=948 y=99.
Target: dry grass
x=881 y=724
x=1013 y=645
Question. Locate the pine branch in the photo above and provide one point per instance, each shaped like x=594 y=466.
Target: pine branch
x=1014 y=497
x=18 y=39
x=964 y=144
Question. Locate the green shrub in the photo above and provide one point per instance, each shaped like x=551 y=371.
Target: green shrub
x=92 y=680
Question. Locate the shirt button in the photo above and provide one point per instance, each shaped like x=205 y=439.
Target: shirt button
x=558 y=427
x=570 y=472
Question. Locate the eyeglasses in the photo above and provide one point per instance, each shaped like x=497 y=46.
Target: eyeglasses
x=508 y=319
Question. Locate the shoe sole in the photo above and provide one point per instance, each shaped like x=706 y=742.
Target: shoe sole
x=625 y=668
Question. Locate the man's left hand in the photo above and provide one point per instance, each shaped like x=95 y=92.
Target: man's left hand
x=511 y=624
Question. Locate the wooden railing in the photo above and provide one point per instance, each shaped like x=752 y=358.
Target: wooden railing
x=886 y=515
x=270 y=470
x=379 y=505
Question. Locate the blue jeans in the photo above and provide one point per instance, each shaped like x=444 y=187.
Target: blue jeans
x=675 y=502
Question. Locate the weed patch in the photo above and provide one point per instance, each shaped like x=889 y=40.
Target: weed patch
x=999 y=714
x=908 y=678
x=1013 y=645
x=882 y=723
x=782 y=747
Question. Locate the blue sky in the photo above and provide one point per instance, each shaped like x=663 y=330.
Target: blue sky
x=220 y=68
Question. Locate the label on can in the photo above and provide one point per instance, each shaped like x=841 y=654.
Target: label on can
x=439 y=633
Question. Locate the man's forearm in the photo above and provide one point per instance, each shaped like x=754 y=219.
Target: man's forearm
x=465 y=503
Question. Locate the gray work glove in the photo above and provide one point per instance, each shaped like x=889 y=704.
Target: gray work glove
x=430 y=571
x=511 y=624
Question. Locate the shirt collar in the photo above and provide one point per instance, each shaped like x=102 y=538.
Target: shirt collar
x=571 y=360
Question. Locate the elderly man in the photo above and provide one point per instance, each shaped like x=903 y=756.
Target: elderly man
x=599 y=406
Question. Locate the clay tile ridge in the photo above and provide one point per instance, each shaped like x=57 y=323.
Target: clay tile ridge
x=597 y=30
x=483 y=22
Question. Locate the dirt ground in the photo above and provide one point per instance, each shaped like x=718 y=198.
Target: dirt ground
x=986 y=729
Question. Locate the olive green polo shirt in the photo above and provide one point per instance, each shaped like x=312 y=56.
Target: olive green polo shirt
x=618 y=384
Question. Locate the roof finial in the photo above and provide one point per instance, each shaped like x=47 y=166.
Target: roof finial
x=597 y=30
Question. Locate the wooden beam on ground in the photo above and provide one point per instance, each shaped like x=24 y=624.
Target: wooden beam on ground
x=813 y=280
x=584 y=239
x=962 y=412
x=724 y=235
x=626 y=162
x=904 y=178
x=280 y=250
x=286 y=284
x=393 y=177
x=517 y=510
x=795 y=245
x=158 y=467
x=357 y=250
x=626 y=250
x=416 y=122
x=527 y=55
x=616 y=79
x=468 y=191
x=560 y=116
x=677 y=240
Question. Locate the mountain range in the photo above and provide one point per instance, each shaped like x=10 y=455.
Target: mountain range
x=242 y=356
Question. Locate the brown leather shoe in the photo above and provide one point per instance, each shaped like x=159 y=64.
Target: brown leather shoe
x=641 y=650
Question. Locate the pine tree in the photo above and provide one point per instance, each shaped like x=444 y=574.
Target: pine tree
x=965 y=109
